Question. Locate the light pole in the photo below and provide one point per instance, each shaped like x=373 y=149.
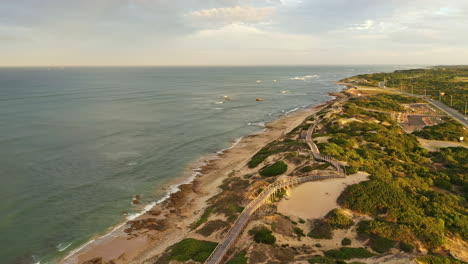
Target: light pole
x=466 y=102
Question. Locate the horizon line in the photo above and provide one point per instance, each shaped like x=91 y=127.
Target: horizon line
x=217 y=65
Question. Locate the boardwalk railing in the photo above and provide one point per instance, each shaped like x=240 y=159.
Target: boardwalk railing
x=220 y=251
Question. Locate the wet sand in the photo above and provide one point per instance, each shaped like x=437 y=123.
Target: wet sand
x=315 y=199
x=185 y=206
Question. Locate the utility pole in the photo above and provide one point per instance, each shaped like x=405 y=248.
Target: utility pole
x=451 y=102
x=466 y=102
x=425 y=92
x=412 y=89
x=440 y=99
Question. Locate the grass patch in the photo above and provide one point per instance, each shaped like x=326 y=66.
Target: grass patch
x=276 y=169
x=203 y=218
x=212 y=226
x=346 y=253
x=275 y=147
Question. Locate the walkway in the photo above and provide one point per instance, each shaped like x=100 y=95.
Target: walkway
x=220 y=251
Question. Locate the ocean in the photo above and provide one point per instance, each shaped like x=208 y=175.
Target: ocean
x=78 y=143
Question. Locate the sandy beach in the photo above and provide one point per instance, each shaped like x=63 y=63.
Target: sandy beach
x=169 y=222
x=313 y=200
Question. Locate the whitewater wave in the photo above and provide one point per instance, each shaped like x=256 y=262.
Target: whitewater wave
x=235 y=143
x=260 y=124
x=306 y=77
x=62 y=246
x=292 y=110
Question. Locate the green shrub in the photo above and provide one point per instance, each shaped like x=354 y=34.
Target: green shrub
x=299 y=232
x=338 y=220
x=275 y=169
x=192 y=249
x=321 y=260
x=380 y=244
x=321 y=230
x=346 y=241
x=348 y=253
x=406 y=247
x=263 y=235
x=306 y=169
x=438 y=259
x=240 y=258
x=302 y=221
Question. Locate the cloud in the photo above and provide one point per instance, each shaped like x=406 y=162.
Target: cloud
x=369 y=24
x=230 y=15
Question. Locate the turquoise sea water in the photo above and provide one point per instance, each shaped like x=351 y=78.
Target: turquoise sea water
x=76 y=144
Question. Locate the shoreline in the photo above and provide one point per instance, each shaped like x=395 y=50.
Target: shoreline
x=198 y=173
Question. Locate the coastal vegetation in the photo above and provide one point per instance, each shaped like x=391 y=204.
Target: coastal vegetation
x=188 y=249
x=400 y=194
x=239 y=258
x=338 y=220
x=275 y=169
x=277 y=146
x=262 y=235
x=449 y=130
x=345 y=253
x=414 y=200
x=451 y=82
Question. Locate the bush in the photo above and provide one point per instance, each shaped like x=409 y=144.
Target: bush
x=275 y=169
x=346 y=241
x=380 y=244
x=306 y=169
x=192 y=249
x=321 y=260
x=406 y=247
x=321 y=230
x=299 y=232
x=438 y=259
x=263 y=235
x=348 y=253
x=338 y=220
x=240 y=258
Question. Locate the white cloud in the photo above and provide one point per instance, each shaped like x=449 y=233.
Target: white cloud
x=367 y=25
x=230 y=15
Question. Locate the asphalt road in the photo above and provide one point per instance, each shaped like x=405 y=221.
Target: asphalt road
x=448 y=110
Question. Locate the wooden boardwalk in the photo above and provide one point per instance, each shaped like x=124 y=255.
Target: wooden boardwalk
x=220 y=251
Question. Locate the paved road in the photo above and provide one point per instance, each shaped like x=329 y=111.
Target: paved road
x=448 y=110
x=220 y=251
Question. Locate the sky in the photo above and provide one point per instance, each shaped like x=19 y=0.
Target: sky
x=232 y=32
